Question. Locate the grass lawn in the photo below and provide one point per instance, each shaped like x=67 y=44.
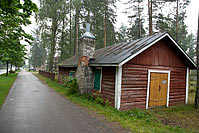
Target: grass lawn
x=192 y=92
x=136 y=120
x=185 y=116
x=6 y=83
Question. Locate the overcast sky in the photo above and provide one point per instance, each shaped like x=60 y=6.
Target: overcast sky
x=192 y=13
x=191 y=21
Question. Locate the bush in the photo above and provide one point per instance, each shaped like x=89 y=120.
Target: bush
x=64 y=79
x=107 y=103
x=71 y=86
x=98 y=98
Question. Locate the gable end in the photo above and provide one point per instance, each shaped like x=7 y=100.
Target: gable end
x=192 y=64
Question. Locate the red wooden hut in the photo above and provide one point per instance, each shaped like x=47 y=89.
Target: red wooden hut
x=143 y=73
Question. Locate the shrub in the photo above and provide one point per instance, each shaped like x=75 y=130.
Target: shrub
x=71 y=86
x=107 y=103
x=64 y=79
x=98 y=98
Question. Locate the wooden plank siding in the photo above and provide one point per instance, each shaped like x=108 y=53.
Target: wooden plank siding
x=108 y=84
x=64 y=73
x=161 y=56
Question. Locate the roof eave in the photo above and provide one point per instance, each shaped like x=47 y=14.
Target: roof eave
x=67 y=65
x=193 y=67
x=103 y=64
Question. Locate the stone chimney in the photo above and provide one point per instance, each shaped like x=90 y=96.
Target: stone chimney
x=84 y=73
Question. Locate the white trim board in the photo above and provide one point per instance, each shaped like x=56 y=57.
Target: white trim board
x=187 y=86
x=118 y=85
x=166 y=34
x=101 y=81
x=97 y=64
x=148 y=85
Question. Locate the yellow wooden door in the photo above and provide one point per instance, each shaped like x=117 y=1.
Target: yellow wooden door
x=154 y=90
x=158 y=89
x=163 y=85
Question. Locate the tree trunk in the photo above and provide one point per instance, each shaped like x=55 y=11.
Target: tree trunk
x=76 y=32
x=139 y=17
x=11 y=68
x=150 y=16
x=105 y=23
x=53 y=44
x=7 y=69
x=177 y=20
x=70 y=23
x=196 y=104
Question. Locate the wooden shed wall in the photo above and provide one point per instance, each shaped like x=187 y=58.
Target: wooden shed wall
x=64 y=73
x=108 y=84
x=161 y=56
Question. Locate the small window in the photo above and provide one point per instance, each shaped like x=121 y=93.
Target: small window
x=97 y=79
x=71 y=74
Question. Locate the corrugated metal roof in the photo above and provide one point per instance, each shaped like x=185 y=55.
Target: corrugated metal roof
x=115 y=54
x=70 y=62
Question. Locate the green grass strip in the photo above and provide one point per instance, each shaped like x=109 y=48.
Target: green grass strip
x=136 y=120
x=6 y=83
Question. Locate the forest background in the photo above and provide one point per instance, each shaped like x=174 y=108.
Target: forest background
x=59 y=24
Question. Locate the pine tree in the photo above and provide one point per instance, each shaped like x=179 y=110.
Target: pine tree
x=38 y=52
x=61 y=23
x=99 y=13
x=134 y=32
x=122 y=34
x=150 y=10
x=191 y=40
x=136 y=18
x=175 y=24
x=154 y=9
x=50 y=18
